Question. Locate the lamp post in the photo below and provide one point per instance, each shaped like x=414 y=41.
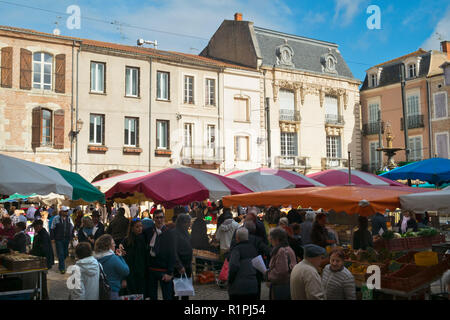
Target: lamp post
x=74 y=135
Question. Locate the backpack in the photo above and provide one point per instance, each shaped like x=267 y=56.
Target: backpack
x=104 y=289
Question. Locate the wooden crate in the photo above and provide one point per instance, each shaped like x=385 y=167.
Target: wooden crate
x=396 y=244
x=19 y=262
x=406 y=279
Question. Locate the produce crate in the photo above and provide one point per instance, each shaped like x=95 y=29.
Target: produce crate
x=379 y=244
x=440 y=238
x=418 y=242
x=20 y=262
x=205 y=254
x=406 y=279
x=396 y=244
x=407 y=258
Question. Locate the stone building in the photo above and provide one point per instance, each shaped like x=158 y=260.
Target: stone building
x=309 y=99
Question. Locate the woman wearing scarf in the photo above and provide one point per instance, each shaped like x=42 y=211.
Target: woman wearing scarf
x=337 y=281
x=407 y=222
x=183 y=264
x=136 y=256
x=85 y=233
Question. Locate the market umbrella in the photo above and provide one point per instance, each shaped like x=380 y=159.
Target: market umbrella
x=26 y=177
x=16 y=197
x=333 y=177
x=177 y=185
x=265 y=179
x=428 y=201
x=434 y=170
x=50 y=199
x=106 y=184
x=363 y=200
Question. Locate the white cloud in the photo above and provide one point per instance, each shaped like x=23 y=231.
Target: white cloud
x=350 y=9
x=441 y=32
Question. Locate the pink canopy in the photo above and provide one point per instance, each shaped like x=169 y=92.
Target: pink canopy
x=335 y=177
x=265 y=179
x=176 y=186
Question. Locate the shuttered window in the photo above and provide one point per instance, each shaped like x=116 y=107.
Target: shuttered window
x=442 y=144
x=6 y=67
x=241 y=112
x=415 y=146
x=60 y=73
x=25 y=69
x=58 y=136
x=373 y=112
x=47 y=128
x=374 y=155
x=440 y=105
x=42 y=70
x=413 y=105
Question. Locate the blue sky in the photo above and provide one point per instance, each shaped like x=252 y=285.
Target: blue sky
x=186 y=25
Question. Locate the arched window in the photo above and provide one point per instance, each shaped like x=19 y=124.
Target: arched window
x=42 y=70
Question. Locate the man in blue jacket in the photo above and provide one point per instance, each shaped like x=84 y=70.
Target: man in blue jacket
x=61 y=233
x=161 y=258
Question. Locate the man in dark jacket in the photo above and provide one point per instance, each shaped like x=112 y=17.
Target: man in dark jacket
x=118 y=228
x=61 y=233
x=242 y=278
x=252 y=214
x=42 y=247
x=378 y=223
x=319 y=233
x=162 y=258
x=19 y=242
x=99 y=228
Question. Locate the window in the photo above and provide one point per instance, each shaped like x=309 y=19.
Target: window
x=288 y=144
x=210 y=88
x=162 y=134
x=415 y=147
x=373 y=80
x=211 y=140
x=286 y=98
x=440 y=105
x=375 y=160
x=188 y=89
x=46 y=128
x=131 y=132
x=373 y=112
x=162 y=85
x=447 y=75
x=442 y=145
x=241 y=112
x=97 y=129
x=97 y=77
x=412 y=70
x=42 y=70
x=413 y=105
x=132 y=82
x=241 y=150
x=333 y=147
x=188 y=138
x=331 y=109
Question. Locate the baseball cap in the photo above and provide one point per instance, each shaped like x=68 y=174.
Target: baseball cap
x=64 y=208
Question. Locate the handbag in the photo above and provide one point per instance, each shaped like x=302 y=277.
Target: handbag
x=223 y=276
x=104 y=289
x=183 y=286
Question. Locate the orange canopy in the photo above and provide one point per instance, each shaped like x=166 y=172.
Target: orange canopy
x=362 y=200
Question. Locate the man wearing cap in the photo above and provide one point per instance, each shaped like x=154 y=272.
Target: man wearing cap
x=61 y=233
x=42 y=247
x=306 y=283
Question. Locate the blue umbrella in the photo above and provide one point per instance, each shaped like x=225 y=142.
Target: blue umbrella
x=434 y=170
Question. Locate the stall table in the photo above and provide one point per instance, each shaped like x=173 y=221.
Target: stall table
x=5 y=272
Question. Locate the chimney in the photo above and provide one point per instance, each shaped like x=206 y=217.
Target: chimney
x=238 y=16
x=445 y=47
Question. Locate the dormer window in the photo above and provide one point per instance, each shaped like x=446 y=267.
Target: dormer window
x=412 y=70
x=373 y=80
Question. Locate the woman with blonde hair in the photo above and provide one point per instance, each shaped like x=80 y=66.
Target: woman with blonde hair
x=85 y=233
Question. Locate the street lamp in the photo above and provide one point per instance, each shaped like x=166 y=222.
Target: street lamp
x=79 y=126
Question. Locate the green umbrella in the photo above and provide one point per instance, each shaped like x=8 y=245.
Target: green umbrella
x=16 y=197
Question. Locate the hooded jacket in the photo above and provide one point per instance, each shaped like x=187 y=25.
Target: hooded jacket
x=89 y=282
x=242 y=278
x=115 y=268
x=225 y=233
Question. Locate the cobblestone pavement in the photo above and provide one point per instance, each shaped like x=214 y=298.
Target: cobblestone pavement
x=58 y=290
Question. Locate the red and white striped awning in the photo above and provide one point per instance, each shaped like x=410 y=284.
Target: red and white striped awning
x=334 y=177
x=107 y=183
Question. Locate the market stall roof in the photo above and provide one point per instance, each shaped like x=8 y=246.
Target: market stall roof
x=177 y=185
x=16 y=197
x=265 y=179
x=363 y=200
x=433 y=170
x=106 y=184
x=26 y=177
x=333 y=177
x=429 y=201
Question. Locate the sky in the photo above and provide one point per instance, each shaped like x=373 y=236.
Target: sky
x=187 y=25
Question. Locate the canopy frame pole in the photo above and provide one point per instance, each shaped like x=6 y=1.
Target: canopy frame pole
x=349 y=169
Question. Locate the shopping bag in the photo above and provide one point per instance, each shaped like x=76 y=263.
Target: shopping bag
x=183 y=286
x=223 y=275
x=132 y=297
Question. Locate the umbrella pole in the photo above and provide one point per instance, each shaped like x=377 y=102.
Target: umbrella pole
x=349 y=170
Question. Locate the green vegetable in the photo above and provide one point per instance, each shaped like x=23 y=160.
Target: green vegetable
x=428 y=232
x=388 y=235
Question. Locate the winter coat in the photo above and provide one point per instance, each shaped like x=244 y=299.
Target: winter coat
x=378 y=222
x=199 y=235
x=261 y=231
x=242 y=279
x=99 y=230
x=338 y=285
x=362 y=239
x=42 y=247
x=115 y=268
x=164 y=249
x=118 y=228
x=61 y=230
x=137 y=260
x=319 y=235
x=89 y=281
x=183 y=251
x=305 y=232
x=225 y=233
x=279 y=268
x=18 y=243
x=306 y=283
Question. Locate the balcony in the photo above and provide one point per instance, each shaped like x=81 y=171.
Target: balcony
x=330 y=163
x=202 y=157
x=372 y=128
x=289 y=115
x=292 y=162
x=334 y=119
x=415 y=121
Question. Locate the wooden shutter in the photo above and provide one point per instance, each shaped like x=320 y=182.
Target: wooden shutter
x=6 y=67
x=58 y=131
x=137 y=132
x=25 y=69
x=60 y=73
x=36 y=128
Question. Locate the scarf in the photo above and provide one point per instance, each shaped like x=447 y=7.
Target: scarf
x=152 y=242
x=103 y=254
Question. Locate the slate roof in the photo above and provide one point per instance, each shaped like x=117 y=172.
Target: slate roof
x=307 y=52
x=390 y=73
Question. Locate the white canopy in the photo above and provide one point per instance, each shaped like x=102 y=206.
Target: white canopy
x=427 y=201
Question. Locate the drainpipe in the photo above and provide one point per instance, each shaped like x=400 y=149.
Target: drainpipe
x=405 y=114
x=150 y=119
x=71 y=111
x=430 y=134
x=267 y=111
x=218 y=114
x=76 y=110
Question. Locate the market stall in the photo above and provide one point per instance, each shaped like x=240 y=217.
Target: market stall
x=334 y=177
